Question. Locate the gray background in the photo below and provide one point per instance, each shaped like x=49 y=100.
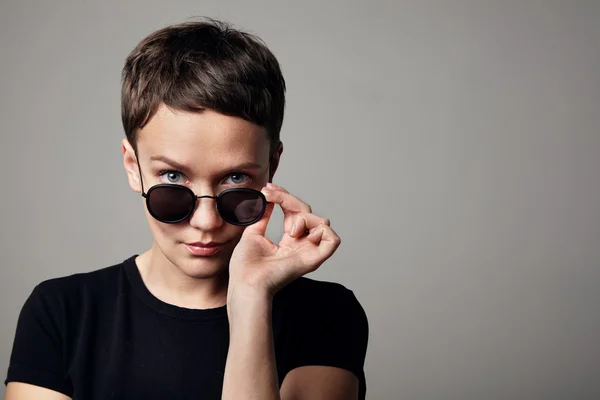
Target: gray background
x=455 y=145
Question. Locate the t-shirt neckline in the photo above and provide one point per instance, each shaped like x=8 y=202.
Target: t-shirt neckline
x=170 y=310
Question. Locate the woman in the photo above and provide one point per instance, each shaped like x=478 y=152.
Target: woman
x=213 y=309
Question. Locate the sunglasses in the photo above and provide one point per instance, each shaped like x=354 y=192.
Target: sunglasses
x=171 y=203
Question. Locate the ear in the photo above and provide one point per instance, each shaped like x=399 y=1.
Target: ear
x=275 y=161
x=131 y=166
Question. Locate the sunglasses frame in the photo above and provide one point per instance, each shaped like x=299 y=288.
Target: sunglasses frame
x=193 y=195
x=196 y=197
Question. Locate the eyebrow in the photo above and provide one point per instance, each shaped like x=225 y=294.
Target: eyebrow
x=181 y=167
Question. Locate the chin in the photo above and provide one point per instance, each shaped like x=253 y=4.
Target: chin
x=203 y=267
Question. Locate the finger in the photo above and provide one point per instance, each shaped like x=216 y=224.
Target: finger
x=327 y=240
x=288 y=202
x=260 y=227
x=316 y=235
x=327 y=243
x=288 y=223
x=306 y=222
x=275 y=187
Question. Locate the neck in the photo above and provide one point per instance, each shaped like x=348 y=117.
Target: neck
x=170 y=284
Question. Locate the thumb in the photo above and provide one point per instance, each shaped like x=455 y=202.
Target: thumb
x=260 y=227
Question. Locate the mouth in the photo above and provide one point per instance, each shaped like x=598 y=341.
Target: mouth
x=209 y=244
x=204 y=249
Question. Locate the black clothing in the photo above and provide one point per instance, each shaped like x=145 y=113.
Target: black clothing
x=103 y=335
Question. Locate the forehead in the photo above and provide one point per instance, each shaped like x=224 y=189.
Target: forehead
x=203 y=139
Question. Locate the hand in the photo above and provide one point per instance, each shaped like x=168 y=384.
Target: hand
x=308 y=240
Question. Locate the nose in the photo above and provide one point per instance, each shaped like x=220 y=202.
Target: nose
x=205 y=216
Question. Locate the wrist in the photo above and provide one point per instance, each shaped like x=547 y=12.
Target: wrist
x=248 y=292
x=247 y=301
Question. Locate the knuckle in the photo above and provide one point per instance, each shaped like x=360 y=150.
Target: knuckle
x=336 y=239
x=305 y=219
x=305 y=216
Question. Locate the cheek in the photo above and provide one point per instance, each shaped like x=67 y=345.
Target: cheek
x=163 y=232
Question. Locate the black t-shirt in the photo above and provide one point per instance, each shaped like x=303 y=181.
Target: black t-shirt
x=103 y=335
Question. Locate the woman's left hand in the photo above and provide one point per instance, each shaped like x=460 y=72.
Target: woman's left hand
x=260 y=265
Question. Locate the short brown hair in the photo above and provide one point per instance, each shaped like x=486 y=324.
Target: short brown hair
x=203 y=64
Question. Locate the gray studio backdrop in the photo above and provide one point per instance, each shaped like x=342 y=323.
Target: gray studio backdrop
x=455 y=146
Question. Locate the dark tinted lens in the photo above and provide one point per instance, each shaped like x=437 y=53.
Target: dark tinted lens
x=241 y=206
x=170 y=203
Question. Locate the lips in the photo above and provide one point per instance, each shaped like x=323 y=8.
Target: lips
x=200 y=244
x=203 y=249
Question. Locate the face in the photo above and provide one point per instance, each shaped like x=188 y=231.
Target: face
x=207 y=152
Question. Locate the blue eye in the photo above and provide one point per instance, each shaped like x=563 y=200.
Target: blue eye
x=171 y=176
x=239 y=178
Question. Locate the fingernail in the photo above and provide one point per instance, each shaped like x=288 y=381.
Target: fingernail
x=270 y=185
x=293 y=229
x=316 y=233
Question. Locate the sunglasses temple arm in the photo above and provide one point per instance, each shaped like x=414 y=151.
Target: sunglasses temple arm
x=140 y=170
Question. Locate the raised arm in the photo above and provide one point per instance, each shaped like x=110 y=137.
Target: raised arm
x=258 y=269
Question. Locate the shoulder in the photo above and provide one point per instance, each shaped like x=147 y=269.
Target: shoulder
x=323 y=324
x=311 y=292
x=53 y=321
x=84 y=286
x=323 y=302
